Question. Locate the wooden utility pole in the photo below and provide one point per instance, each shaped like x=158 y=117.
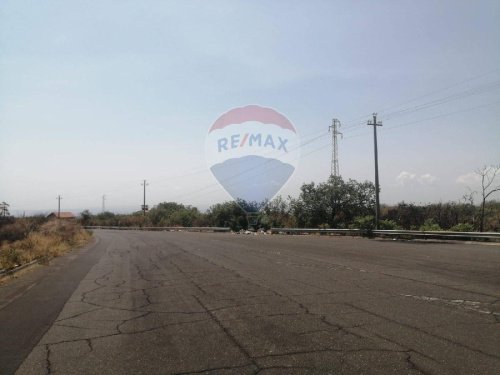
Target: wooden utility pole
x=59 y=206
x=144 y=206
x=377 y=186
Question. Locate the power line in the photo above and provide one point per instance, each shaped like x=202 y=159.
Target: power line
x=443 y=115
x=320 y=148
x=198 y=191
x=443 y=89
x=357 y=120
x=202 y=192
x=436 y=102
x=202 y=170
x=474 y=91
x=426 y=119
x=258 y=166
x=263 y=167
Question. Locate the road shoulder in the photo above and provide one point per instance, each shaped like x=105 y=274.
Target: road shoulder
x=30 y=304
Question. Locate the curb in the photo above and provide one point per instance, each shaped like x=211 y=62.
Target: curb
x=13 y=271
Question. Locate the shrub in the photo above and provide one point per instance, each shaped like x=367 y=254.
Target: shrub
x=13 y=232
x=365 y=223
x=430 y=226
x=9 y=257
x=462 y=227
x=51 y=239
x=20 y=228
x=388 y=225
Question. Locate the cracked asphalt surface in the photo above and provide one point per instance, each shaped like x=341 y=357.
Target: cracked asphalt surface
x=212 y=303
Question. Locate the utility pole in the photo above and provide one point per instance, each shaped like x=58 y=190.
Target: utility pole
x=144 y=206
x=59 y=206
x=103 y=203
x=334 y=129
x=377 y=186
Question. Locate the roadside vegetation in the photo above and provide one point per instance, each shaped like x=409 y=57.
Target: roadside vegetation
x=23 y=240
x=335 y=203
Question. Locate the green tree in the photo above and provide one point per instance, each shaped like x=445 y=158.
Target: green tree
x=252 y=206
x=277 y=214
x=408 y=215
x=227 y=214
x=109 y=218
x=334 y=203
x=174 y=214
x=365 y=223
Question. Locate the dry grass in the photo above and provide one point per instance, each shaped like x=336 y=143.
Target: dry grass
x=50 y=240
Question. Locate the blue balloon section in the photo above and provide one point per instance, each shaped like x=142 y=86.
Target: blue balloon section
x=252 y=178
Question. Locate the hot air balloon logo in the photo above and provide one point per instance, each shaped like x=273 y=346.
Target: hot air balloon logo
x=252 y=151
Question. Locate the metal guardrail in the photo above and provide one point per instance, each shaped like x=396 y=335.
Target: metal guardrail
x=170 y=229
x=470 y=236
x=490 y=236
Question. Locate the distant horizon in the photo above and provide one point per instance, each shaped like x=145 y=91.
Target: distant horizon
x=131 y=210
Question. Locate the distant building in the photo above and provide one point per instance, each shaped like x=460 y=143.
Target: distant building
x=62 y=215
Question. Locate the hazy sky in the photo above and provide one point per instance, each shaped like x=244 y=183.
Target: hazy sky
x=97 y=95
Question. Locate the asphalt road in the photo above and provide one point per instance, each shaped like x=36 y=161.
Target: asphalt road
x=182 y=303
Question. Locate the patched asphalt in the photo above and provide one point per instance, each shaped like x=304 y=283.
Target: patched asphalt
x=213 y=303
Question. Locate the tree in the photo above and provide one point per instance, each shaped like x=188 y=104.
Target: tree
x=227 y=214
x=85 y=217
x=469 y=208
x=4 y=209
x=251 y=206
x=168 y=214
x=334 y=203
x=277 y=213
x=487 y=174
x=106 y=218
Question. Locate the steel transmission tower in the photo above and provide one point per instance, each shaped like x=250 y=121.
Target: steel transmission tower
x=334 y=129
